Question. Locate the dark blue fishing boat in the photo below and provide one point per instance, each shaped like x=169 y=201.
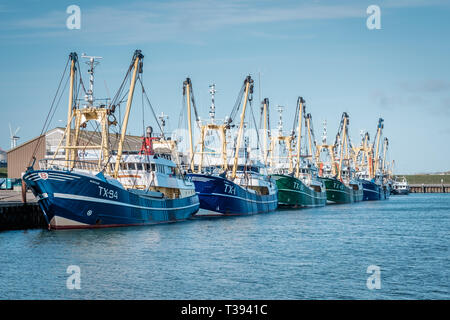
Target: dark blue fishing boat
x=372 y=172
x=71 y=199
x=94 y=186
x=374 y=191
x=236 y=188
x=221 y=196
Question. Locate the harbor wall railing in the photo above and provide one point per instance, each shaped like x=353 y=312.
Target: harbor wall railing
x=429 y=188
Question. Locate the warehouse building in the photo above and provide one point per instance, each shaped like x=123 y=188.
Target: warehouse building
x=46 y=145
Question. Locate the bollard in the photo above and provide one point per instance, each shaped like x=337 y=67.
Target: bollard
x=24 y=192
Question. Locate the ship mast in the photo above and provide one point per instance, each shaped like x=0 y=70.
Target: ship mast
x=330 y=148
x=188 y=99
x=286 y=139
x=266 y=129
x=364 y=154
x=212 y=109
x=342 y=142
x=300 y=102
x=92 y=63
x=308 y=126
x=187 y=91
x=162 y=120
x=385 y=147
x=73 y=59
x=81 y=117
x=248 y=89
x=377 y=141
x=138 y=56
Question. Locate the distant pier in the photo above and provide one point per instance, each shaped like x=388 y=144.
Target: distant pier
x=16 y=215
x=429 y=188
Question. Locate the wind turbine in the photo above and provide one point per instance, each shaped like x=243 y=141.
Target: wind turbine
x=13 y=136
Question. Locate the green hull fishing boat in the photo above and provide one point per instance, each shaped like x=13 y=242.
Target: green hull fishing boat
x=293 y=193
x=338 y=192
x=296 y=176
x=338 y=175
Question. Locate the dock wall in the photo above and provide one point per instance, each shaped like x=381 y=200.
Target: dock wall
x=429 y=188
x=16 y=215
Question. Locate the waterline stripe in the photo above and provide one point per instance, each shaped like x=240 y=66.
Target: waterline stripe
x=291 y=190
x=240 y=198
x=83 y=198
x=371 y=190
x=336 y=190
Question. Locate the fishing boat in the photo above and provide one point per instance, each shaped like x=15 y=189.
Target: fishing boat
x=337 y=173
x=400 y=186
x=371 y=169
x=114 y=188
x=339 y=192
x=298 y=183
x=228 y=182
x=373 y=189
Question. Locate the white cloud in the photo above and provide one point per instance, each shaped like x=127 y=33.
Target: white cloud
x=174 y=20
x=181 y=21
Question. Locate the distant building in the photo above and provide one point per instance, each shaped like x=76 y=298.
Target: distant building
x=46 y=145
x=3 y=158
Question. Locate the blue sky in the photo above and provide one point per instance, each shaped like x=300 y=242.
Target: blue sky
x=321 y=50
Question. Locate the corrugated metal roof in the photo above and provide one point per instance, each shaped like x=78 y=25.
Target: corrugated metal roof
x=131 y=143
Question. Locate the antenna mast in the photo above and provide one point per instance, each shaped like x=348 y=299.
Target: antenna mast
x=280 y=120
x=162 y=119
x=324 y=134
x=212 y=109
x=92 y=63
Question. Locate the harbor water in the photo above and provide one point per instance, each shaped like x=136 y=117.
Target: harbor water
x=319 y=253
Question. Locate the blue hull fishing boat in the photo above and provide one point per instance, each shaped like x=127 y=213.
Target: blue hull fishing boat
x=223 y=188
x=220 y=196
x=373 y=172
x=109 y=187
x=72 y=200
x=374 y=191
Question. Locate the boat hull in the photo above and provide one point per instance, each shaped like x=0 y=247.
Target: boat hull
x=72 y=201
x=221 y=197
x=373 y=191
x=339 y=193
x=293 y=193
x=400 y=192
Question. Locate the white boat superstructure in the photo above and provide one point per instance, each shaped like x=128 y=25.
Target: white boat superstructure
x=400 y=186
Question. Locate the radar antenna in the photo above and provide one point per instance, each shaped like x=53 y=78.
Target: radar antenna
x=92 y=63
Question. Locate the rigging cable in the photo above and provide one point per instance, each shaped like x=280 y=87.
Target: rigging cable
x=50 y=114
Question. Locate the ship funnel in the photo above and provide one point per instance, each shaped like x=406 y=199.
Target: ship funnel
x=149 y=131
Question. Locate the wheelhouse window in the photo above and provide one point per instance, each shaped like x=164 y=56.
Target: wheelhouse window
x=131 y=166
x=139 y=166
